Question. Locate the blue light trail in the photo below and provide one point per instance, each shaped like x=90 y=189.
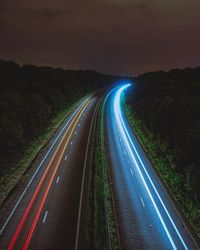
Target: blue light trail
x=138 y=163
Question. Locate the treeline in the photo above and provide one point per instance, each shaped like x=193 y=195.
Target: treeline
x=30 y=97
x=168 y=103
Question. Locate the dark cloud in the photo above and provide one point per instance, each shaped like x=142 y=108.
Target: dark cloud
x=52 y=14
x=146 y=9
x=113 y=36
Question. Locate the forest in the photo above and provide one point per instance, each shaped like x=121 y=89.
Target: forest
x=168 y=104
x=30 y=98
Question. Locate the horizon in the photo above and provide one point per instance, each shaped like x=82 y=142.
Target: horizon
x=120 y=38
x=104 y=73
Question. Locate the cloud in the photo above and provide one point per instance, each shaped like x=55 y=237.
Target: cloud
x=52 y=14
x=146 y=9
x=108 y=35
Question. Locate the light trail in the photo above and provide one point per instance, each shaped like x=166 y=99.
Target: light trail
x=27 y=211
x=131 y=148
x=39 y=167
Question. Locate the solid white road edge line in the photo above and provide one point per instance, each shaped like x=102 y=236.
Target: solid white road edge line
x=83 y=178
x=38 y=168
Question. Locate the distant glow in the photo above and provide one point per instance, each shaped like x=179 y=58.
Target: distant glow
x=128 y=143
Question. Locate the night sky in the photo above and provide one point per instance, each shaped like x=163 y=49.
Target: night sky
x=110 y=36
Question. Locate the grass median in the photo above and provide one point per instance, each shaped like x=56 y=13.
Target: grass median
x=102 y=228
x=163 y=163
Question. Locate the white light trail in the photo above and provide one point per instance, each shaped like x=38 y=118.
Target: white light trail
x=127 y=140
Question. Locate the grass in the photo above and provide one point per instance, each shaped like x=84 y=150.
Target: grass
x=8 y=181
x=103 y=234
x=111 y=227
x=163 y=163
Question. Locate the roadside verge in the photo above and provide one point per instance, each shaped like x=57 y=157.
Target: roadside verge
x=172 y=180
x=31 y=156
x=102 y=232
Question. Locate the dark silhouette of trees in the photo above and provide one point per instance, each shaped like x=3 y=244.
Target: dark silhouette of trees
x=169 y=105
x=30 y=97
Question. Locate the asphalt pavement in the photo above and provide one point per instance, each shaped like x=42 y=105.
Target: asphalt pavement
x=44 y=214
x=146 y=216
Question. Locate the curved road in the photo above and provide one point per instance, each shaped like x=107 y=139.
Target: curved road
x=46 y=211
x=146 y=217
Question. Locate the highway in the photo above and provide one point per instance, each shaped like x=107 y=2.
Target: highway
x=146 y=216
x=48 y=208
x=47 y=211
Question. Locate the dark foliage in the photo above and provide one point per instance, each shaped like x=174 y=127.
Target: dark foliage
x=30 y=97
x=169 y=105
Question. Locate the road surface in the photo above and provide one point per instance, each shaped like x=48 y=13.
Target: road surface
x=146 y=217
x=48 y=209
x=46 y=213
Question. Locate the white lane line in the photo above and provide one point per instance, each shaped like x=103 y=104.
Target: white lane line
x=79 y=124
x=71 y=142
x=131 y=171
x=147 y=188
x=39 y=166
x=75 y=132
x=45 y=217
x=57 y=180
x=83 y=179
x=142 y=202
x=66 y=157
x=128 y=142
